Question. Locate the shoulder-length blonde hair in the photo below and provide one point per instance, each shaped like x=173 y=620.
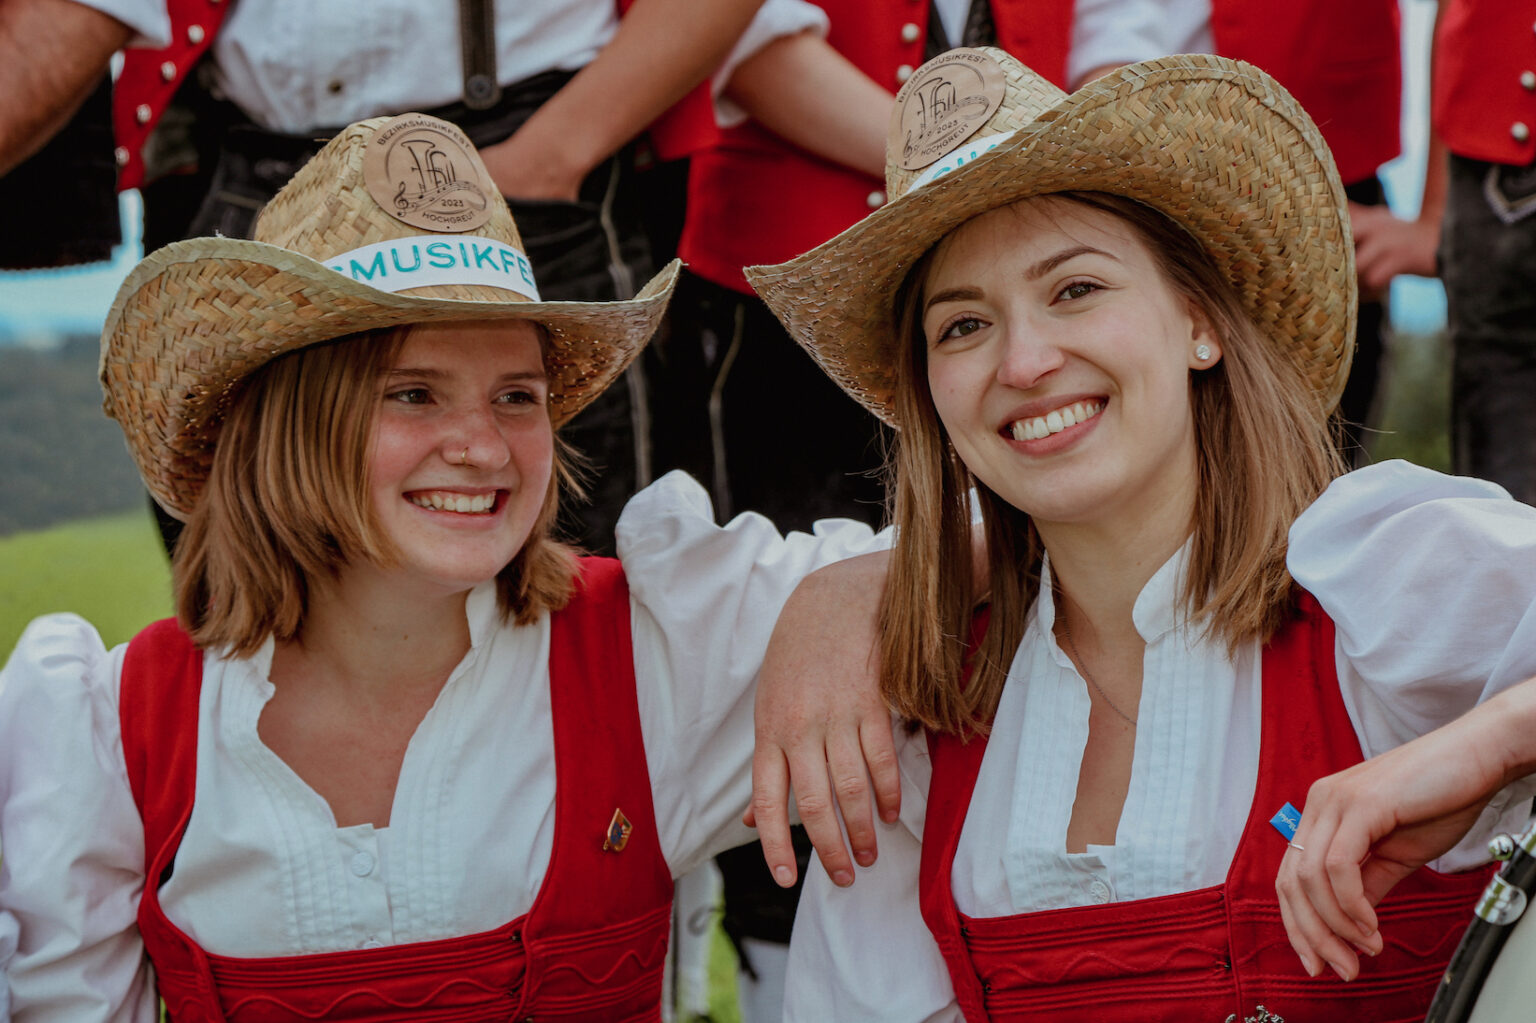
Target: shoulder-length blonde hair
x=1263 y=454
x=286 y=502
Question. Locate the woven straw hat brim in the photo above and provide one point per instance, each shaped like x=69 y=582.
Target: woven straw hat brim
x=1213 y=143
x=198 y=316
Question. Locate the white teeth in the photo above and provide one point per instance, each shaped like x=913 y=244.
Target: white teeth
x=462 y=503
x=1055 y=421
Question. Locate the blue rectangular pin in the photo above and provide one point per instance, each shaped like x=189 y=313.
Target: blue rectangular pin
x=1286 y=820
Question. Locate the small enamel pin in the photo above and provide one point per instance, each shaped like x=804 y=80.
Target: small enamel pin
x=618 y=832
x=1286 y=821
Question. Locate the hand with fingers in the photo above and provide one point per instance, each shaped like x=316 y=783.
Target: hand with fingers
x=1387 y=245
x=1366 y=828
x=822 y=727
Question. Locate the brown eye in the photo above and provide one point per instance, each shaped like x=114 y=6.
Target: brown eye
x=960 y=328
x=519 y=398
x=1078 y=289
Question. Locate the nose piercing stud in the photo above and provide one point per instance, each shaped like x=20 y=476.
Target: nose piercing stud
x=464 y=458
x=1203 y=352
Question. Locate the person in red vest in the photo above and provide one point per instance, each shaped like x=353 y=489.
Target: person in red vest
x=402 y=753
x=1112 y=327
x=1484 y=114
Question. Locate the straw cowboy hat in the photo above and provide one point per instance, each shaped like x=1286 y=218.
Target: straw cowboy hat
x=1215 y=144
x=395 y=221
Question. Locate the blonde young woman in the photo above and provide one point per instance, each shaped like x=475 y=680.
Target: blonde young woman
x=1115 y=323
x=402 y=755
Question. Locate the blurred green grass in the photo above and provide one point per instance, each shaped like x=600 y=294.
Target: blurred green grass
x=1413 y=406
x=109 y=570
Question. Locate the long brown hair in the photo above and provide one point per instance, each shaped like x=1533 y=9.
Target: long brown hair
x=1264 y=453
x=286 y=502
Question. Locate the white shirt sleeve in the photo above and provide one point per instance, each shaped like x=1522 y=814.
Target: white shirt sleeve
x=149 y=19
x=863 y=954
x=1431 y=583
x=774 y=20
x=705 y=599
x=1109 y=32
x=74 y=845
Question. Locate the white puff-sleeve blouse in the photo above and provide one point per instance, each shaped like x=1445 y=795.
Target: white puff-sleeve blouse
x=1431 y=582
x=265 y=871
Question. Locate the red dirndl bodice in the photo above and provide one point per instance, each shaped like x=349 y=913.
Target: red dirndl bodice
x=591 y=947
x=1211 y=955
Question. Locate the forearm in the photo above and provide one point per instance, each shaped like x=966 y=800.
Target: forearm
x=649 y=65
x=803 y=90
x=1504 y=728
x=1366 y=828
x=52 y=54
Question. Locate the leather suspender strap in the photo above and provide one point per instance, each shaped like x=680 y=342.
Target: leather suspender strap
x=477 y=42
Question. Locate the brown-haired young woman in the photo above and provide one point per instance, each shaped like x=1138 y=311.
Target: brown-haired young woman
x=402 y=755
x=1114 y=323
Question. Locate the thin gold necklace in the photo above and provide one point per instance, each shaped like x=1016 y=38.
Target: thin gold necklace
x=1077 y=658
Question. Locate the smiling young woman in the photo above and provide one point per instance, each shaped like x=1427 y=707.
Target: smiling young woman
x=1252 y=419
x=318 y=424
x=1112 y=326
x=403 y=753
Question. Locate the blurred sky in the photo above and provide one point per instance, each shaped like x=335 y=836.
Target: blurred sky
x=37 y=307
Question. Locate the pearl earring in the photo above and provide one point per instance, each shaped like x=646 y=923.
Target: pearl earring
x=1203 y=352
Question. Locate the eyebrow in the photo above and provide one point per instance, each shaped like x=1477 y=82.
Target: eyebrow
x=1033 y=273
x=1050 y=263
x=951 y=295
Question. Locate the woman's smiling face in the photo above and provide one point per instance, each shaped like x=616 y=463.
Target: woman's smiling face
x=462 y=450
x=1058 y=357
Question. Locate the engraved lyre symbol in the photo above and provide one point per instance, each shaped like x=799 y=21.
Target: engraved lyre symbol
x=938 y=101
x=433 y=170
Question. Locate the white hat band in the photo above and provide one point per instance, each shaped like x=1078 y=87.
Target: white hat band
x=959 y=157
x=423 y=261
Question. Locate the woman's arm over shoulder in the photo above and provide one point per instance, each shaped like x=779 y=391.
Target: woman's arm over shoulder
x=1368 y=827
x=705 y=599
x=71 y=838
x=863 y=953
